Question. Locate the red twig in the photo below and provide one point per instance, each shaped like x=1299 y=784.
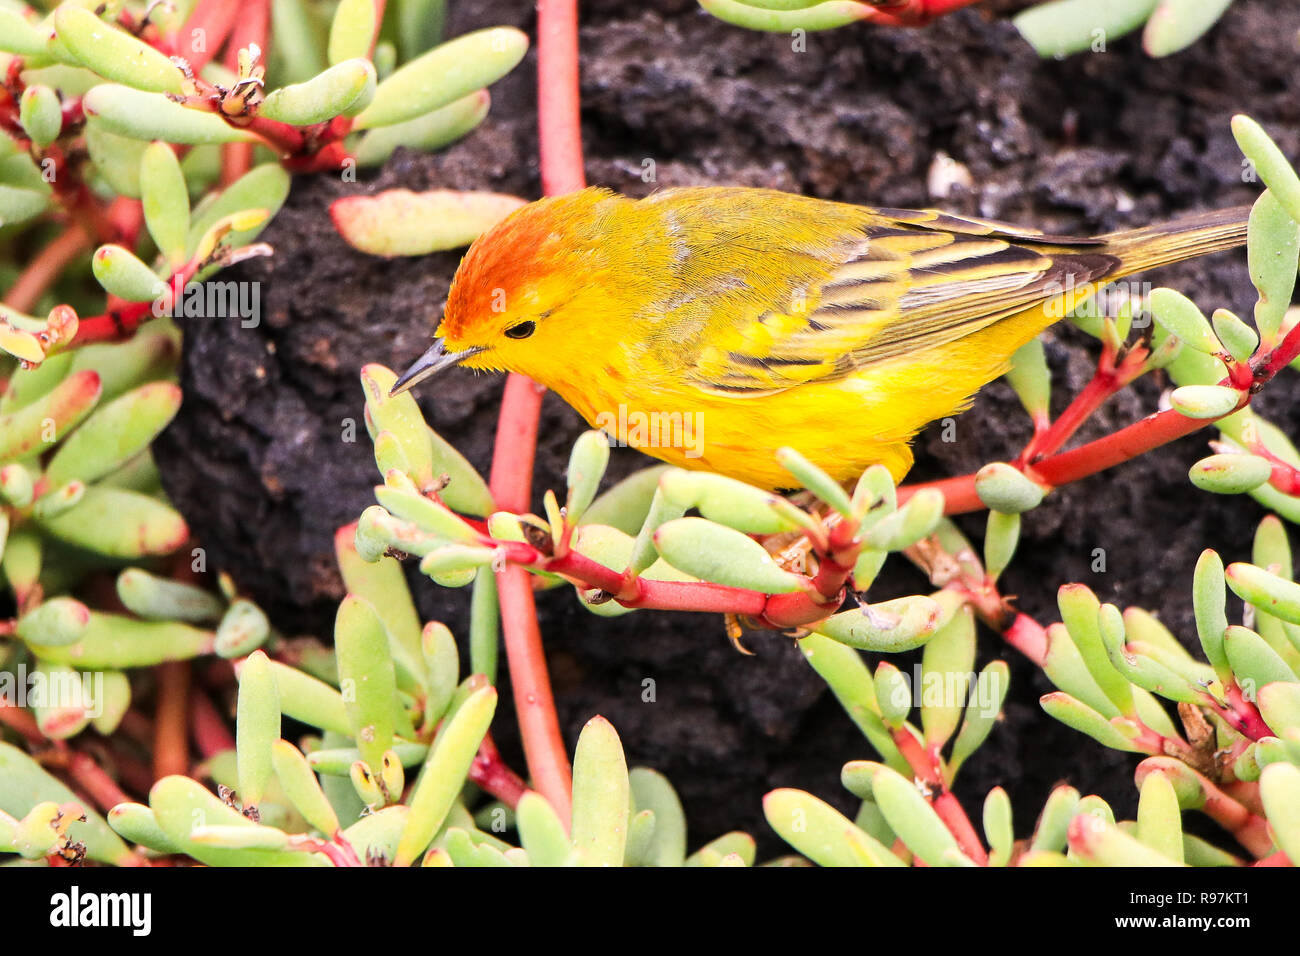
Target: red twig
x=912 y=13
x=249 y=30
x=201 y=37
x=560 y=146
x=539 y=725
x=490 y=772
x=1112 y=375
x=170 y=751
x=21 y=721
x=45 y=267
x=954 y=817
x=208 y=730
x=91 y=778
x=1274 y=859
x=926 y=767
x=1118 y=447
x=122 y=323
x=1249 y=830
x=1028 y=637
x=559 y=123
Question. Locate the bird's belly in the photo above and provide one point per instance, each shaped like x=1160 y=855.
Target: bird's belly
x=843 y=426
x=839 y=426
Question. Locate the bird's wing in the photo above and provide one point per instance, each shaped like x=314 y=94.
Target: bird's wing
x=907 y=280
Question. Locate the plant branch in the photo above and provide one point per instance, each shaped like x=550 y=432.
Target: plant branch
x=171 y=753
x=1118 y=447
x=560 y=148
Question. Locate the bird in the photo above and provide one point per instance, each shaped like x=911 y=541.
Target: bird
x=710 y=325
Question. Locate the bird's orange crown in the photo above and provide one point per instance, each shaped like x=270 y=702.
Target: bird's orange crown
x=522 y=268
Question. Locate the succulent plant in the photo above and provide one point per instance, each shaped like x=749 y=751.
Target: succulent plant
x=1062 y=27
x=117 y=118
x=1053 y=28
x=397 y=765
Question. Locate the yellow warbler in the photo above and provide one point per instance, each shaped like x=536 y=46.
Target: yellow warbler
x=707 y=326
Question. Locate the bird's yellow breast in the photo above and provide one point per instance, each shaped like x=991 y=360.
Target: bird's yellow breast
x=843 y=425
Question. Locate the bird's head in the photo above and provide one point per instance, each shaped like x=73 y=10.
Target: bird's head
x=523 y=296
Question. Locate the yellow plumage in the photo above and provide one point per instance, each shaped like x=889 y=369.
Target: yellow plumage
x=739 y=320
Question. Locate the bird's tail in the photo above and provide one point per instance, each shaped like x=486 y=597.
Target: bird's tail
x=1166 y=242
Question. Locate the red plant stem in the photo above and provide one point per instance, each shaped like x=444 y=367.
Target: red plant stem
x=772 y=610
x=511 y=478
x=950 y=811
x=338 y=851
x=21 y=721
x=539 y=725
x=1244 y=715
x=91 y=778
x=1249 y=830
x=1127 y=443
x=379 y=22
x=912 y=13
x=45 y=268
x=1105 y=383
x=511 y=485
x=1124 y=445
x=560 y=148
x=1274 y=859
x=925 y=767
x=215 y=18
x=127 y=217
x=1028 y=637
x=559 y=123
x=249 y=30
x=208 y=730
x=122 y=323
x=113 y=326
x=490 y=772
x=170 y=753
x=1069 y=466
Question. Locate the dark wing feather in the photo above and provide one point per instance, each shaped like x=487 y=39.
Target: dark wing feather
x=908 y=280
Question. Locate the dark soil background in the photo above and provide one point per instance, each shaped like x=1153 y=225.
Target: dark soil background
x=257 y=462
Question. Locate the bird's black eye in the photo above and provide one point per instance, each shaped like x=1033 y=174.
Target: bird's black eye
x=521 y=331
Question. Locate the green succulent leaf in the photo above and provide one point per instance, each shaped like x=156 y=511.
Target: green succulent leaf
x=1177 y=24
x=41 y=114
x=119 y=524
x=113 y=53
x=399 y=222
x=367 y=677
x=601 y=795
x=340 y=90
x=444 y=773
x=444 y=74
x=352 y=30
x=257 y=727
x=773 y=16
x=114 y=434
x=1063 y=27
x=712 y=552
x=24 y=783
x=429 y=132
x=822 y=833
x=137 y=114
x=1270 y=162
x=166 y=201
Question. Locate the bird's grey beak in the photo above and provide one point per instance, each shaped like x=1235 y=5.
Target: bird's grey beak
x=434 y=360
